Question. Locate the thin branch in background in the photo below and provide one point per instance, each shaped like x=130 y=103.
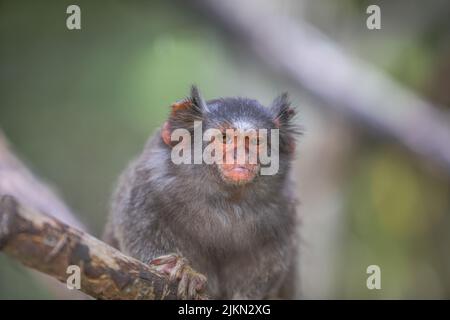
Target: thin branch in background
x=43 y=243
x=339 y=81
x=32 y=231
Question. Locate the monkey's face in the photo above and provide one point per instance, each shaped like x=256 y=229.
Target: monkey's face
x=243 y=137
x=240 y=148
x=240 y=138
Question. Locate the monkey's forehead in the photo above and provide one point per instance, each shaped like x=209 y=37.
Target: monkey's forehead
x=241 y=113
x=233 y=102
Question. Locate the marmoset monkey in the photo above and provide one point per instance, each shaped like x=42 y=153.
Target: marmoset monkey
x=232 y=223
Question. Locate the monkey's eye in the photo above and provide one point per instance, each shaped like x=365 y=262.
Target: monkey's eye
x=255 y=141
x=225 y=138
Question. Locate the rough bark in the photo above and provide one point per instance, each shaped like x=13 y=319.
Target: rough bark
x=38 y=229
x=43 y=243
x=312 y=62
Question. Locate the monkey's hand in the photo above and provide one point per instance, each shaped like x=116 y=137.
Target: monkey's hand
x=191 y=285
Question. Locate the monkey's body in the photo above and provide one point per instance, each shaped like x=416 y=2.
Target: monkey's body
x=241 y=237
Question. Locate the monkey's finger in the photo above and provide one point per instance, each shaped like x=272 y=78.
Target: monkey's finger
x=164 y=264
x=200 y=282
x=183 y=285
x=164 y=268
x=178 y=269
x=197 y=284
x=192 y=289
x=166 y=259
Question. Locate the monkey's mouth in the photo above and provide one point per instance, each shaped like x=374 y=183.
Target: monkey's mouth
x=238 y=173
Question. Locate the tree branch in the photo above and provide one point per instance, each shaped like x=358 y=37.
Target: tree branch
x=32 y=231
x=300 y=53
x=43 y=243
x=17 y=180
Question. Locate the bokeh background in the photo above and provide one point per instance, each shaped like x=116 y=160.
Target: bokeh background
x=78 y=105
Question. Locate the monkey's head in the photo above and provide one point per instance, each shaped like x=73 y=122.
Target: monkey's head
x=237 y=139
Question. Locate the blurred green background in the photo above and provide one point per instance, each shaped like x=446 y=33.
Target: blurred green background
x=78 y=105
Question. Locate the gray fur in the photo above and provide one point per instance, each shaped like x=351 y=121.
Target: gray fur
x=241 y=237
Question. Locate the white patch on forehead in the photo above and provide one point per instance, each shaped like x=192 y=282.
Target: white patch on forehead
x=213 y=105
x=242 y=125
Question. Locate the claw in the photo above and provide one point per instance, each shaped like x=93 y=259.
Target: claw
x=177 y=270
x=164 y=264
x=191 y=284
x=183 y=287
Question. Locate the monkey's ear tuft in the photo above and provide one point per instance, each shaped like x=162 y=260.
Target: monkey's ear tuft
x=188 y=110
x=197 y=99
x=181 y=105
x=282 y=110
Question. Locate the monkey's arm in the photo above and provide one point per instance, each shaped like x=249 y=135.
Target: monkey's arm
x=135 y=228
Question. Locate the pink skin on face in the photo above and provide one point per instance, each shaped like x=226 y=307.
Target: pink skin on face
x=239 y=172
